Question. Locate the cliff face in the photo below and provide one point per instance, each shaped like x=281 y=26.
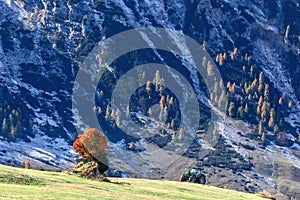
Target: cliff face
x=43 y=44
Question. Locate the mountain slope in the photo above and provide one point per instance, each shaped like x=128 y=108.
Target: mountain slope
x=43 y=44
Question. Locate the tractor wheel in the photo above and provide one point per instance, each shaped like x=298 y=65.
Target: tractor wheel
x=202 y=180
x=193 y=179
x=183 y=178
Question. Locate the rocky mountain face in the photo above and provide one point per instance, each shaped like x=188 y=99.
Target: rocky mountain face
x=256 y=47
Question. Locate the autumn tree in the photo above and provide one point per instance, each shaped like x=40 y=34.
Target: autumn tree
x=241 y=111
x=210 y=71
x=260 y=128
x=246 y=109
x=266 y=92
x=280 y=101
x=271 y=122
x=107 y=113
x=290 y=104
x=263 y=138
x=231 y=109
x=92 y=145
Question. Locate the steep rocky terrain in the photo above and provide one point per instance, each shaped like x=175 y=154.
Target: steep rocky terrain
x=254 y=43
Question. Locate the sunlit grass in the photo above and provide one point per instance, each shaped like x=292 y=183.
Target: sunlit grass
x=53 y=185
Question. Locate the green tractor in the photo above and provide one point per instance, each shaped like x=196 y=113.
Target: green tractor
x=194 y=175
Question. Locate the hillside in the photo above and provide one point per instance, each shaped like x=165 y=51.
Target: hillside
x=33 y=184
x=172 y=84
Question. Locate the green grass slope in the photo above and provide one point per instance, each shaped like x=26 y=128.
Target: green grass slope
x=16 y=183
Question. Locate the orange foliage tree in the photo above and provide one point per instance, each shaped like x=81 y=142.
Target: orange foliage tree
x=92 y=145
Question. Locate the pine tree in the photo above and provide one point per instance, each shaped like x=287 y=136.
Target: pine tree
x=244 y=68
x=266 y=92
x=254 y=85
x=261 y=78
x=171 y=102
x=4 y=126
x=260 y=101
x=231 y=109
x=271 y=122
x=181 y=133
x=148 y=86
x=107 y=113
x=233 y=54
x=101 y=93
x=12 y=131
x=228 y=85
x=258 y=111
x=157 y=80
x=251 y=70
x=264 y=110
x=118 y=121
x=160 y=117
x=260 y=128
x=263 y=138
x=280 y=101
x=204 y=60
x=276 y=128
x=209 y=68
x=249 y=97
x=150 y=112
x=172 y=123
x=246 y=108
x=232 y=88
x=127 y=112
x=112 y=114
x=290 y=104
x=241 y=111
x=272 y=113
x=162 y=102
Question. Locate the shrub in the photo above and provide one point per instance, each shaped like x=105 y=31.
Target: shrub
x=27 y=164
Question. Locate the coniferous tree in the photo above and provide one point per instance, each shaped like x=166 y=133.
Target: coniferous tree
x=275 y=128
x=241 y=111
x=260 y=128
x=118 y=121
x=263 y=138
x=290 y=104
x=127 y=112
x=251 y=70
x=271 y=122
x=107 y=113
x=280 y=101
x=231 y=109
x=4 y=126
x=148 y=86
x=246 y=108
x=209 y=69
x=266 y=92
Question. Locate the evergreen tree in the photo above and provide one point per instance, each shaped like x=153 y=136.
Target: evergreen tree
x=263 y=138
x=231 y=109
x=246 y=108
x=290 y=104
x=209 y=68
x=127 y=112
x=241 y=111
x=107 y=113
x=266 y=92
x=260 y=128
x=280 y=101
x=271 y=122
x=118 y=121
x=275 y=128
